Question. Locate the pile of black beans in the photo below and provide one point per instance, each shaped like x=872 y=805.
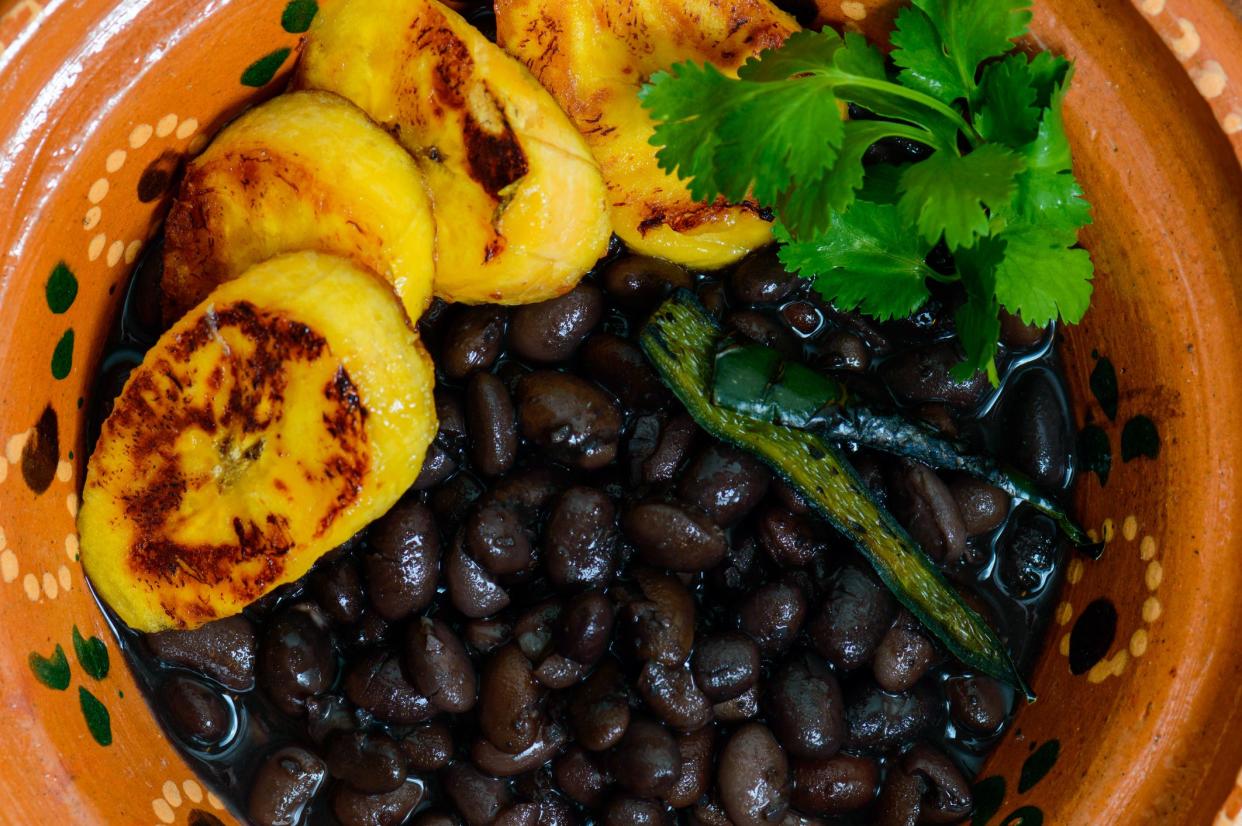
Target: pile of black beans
x=588 y=611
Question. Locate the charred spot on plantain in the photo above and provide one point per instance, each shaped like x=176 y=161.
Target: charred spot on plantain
x=453 y=67
x=346 y=422
x=688 y=219
x=494 y=156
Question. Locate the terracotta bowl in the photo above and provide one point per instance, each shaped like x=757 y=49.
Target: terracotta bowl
x=1140 y=716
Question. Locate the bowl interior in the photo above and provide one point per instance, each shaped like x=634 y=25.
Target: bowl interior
x=1140 y=716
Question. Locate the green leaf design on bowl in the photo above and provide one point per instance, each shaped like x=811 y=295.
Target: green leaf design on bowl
x=92 y=654
x=52 y=671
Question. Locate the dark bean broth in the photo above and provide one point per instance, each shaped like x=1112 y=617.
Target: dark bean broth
x=1012 y=571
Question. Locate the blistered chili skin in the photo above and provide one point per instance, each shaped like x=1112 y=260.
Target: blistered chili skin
x=612 y=617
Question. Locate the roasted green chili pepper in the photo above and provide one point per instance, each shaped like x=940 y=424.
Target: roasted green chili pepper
x=680 y=340
x=753 y=379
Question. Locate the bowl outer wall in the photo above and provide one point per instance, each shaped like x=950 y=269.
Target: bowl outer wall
x=1159 y=742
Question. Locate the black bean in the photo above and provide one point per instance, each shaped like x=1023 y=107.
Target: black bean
x=1039 y=426
x=802 y=317
x=473 y=340
x=753 y=777
x=639 y=283
x=471 y=589
x=947 y=798
x=370 y=630
x=486 y=635
x=1028 y=553
x=904 y=656
x=551 y=330
x=759 y=328
x=195 y=713
x=835 y=785
x=500 y=763
x=742 y=707
x=672 y=695
x=1017 y=334
x=451 y=414
x=709 y=812
x=878 y=722
x=580 y=538
x=374 y=682
x=519 y=814
x=452 y=500
x=940 y=417
x=438 y=465
x=434 y=818
x=842 y=350
x=555 y=810
x=439 y=667
x=389 y=809
x=712 y=295
x=491 y=421
x=599 y=709
x=570 y=418
x=403 y=565
x=671 y=450
x=369 y=763
x=922 y=502
x=646 y=761
x=326 y=716
x=726 y=483
x=977 y=704
x=223 y=650
x=983 y=507
x=585 y=628
x=636 y=811
x=674 y=536
x=790 y=540
x=660 y=624
x=725 y=665
x=761 y=278
x=296 y=659
x=579 y=774
x=283 y=787
x=624 y=371
x=510 y=701
x=558 y=672
x=338 y=590
x=854 y=618
x=698 y=751
x=495 y=537
x=534 y=630
x=478 y=797
x=772 y=615
x=923 y=375
x=428 y=747
x=901 y=800
x=806 y=709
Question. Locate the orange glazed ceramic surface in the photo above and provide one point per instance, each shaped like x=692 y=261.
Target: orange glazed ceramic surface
x=1140 y=716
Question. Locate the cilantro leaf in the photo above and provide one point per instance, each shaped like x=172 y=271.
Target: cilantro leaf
x=807 y=207
x=803 y=52
x=978 y=320
x=939 y=44
x=1040 y=278
x=1047 y=193
x=766 y=140
x=687 y=102
x=948 y=193
x=866 y=259
x=1006 y=112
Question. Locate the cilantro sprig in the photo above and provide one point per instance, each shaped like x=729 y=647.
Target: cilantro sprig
x=997 y=187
